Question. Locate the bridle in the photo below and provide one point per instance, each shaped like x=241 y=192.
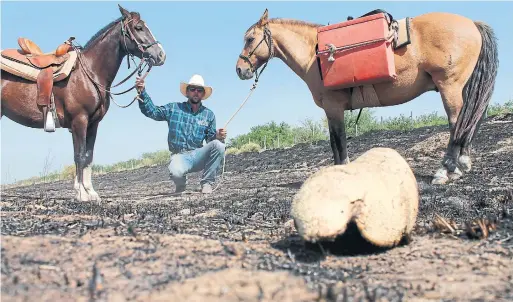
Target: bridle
x=126 y=31
x=267 y=37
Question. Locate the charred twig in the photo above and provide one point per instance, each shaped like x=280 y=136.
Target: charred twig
x=260 y=291
x=479 y=228
x=291 y=256
x=505 y=239
x=49 y=268
x=96 y=283
x=443 y=225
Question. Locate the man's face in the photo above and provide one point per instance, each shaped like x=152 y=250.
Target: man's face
x=195 y=94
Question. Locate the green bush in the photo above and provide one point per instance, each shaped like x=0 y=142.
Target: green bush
x=250 y=147
x=158 y=158
x=497 y=109
x=69 y=172
x=232 y=150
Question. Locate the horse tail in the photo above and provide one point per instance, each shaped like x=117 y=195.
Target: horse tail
x=479 y=88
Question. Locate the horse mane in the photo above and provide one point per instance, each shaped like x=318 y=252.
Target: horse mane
x=294 y=22
x=101 y=32
x=289 y=22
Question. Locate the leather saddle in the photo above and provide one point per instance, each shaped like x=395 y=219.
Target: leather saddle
x=48 y=64
x=30 y=54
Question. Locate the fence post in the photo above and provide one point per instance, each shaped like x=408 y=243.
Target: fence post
x=356 y=129
x=411 y=118
x=278 y=141
x=265 y=142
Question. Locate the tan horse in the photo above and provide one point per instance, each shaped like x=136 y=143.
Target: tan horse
x=448 y=53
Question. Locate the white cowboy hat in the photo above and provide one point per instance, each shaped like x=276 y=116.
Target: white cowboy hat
x=196 y=80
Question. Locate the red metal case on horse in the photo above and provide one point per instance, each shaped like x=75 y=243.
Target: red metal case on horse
x=360 y=53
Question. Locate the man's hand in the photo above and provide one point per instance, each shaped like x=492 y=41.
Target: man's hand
x=221 y=134
x=139 y=84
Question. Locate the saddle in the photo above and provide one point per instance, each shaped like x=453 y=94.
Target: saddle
x=388 y=16
x=43 y=68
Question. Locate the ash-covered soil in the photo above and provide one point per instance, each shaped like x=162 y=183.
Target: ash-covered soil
x=239 y=243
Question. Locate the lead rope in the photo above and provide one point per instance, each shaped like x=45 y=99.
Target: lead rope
x=268 y=39
x=221 y=178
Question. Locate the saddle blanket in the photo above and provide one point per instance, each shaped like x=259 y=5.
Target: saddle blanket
x=30 y=73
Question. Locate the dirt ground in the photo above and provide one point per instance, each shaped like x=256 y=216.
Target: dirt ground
x=239 y=243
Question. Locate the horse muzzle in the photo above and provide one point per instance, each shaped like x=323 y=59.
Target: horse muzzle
x=244 y=73
x=155 y=60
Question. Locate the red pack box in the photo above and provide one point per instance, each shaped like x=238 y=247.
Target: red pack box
x=360 y=53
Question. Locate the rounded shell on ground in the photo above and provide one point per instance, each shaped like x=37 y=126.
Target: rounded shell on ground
x=378 y=191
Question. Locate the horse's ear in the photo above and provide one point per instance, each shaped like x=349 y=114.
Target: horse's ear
x=263 y=20
x=124 y=12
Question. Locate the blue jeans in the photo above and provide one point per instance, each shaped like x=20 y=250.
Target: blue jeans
x=207 y=158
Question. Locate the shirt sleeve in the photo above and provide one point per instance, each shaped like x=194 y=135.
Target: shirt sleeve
x=158 y=113
x=211 y=130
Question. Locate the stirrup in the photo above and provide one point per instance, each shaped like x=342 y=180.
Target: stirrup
x=50 y=123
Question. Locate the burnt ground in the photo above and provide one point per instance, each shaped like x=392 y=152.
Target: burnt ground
x=141 y=243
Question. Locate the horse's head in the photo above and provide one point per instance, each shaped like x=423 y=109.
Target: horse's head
x=138 y=40
x=258 y=49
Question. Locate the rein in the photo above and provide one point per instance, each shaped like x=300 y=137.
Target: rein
x=226 y=125
x=269 y=41
x=126 y=32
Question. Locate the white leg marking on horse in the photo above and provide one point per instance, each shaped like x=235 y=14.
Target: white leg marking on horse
x=82 y=194
x=456 y=174
x=88 y=185
x=75 y=186
x=465 y=162
x=440 y=177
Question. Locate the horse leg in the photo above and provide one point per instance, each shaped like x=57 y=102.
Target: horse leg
x=79 y=131
x=464 y=161
x=338 y=139
x=453 y=102
x=88 y=171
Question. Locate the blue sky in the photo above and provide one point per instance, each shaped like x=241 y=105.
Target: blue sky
x=204 y=38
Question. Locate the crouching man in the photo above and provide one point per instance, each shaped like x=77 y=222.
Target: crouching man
x=190 y=123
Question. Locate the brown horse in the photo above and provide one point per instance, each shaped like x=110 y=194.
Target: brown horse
x=448 y=53
x=83 y=98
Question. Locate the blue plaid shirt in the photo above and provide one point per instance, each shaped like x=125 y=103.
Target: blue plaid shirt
x=187 y=129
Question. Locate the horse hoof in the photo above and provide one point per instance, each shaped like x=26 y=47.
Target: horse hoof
x=346 y=161
x=465 y=163
x=82 y=197
x=457 y=174
x=439 y=180
x=440 y=177
x=93 y=196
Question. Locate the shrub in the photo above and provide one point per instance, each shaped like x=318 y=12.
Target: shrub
x=232 y=150
x=250 y=147
x=69 y=172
